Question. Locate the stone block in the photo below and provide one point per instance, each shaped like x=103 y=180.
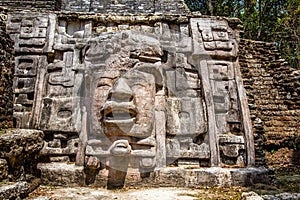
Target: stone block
x=17 y=190
x=61 y=174
x=61 y=114
x=20 y=148
x=181 y=118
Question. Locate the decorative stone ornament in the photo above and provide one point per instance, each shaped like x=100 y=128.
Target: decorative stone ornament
x=132 y=93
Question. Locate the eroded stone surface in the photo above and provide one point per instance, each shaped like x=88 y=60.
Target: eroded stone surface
x=20 y=148
x=130 y=95
x=3 y=169
x=100 y=6
x=273 y=94
x=6 y=74
x=251 y=196
x=61 y=174
x=14 y=191
x=282 y=196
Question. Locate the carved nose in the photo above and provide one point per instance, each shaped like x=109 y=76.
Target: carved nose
x=121 y=91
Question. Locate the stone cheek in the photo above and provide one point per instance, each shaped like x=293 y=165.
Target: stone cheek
x=158 y=94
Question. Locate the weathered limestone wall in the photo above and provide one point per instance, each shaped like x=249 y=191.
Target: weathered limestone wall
x=31 y=4
x=100 y=6
x=41 y=104
x=272 y=88
x=6 y=75
x=128 y=6
x=273 y=95
x=140 y=92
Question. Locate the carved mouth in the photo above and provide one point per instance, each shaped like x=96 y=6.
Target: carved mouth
x=121 y=145
x=119 y=113
x=120 y=148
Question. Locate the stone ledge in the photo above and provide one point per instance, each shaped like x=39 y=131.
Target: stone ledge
x=215 y=176
x=282 y=196
x=18 y=190
x=59 y=174
x=20 y=149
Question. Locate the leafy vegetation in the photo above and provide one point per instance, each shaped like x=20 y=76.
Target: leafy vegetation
x=275 y=21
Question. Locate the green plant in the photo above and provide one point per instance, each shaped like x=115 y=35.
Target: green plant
x=272 y=151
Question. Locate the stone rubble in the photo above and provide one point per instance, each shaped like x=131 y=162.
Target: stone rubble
x=273 y=91
x=19 y=152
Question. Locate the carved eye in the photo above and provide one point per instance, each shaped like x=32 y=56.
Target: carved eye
x=184 y=115
x=64 y=114
x=28 y=30
x=221 y=34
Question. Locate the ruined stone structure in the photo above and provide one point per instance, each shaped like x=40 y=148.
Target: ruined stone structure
x=19 y=152
x=6 y=74
x=103 y=6
x=273 y=91
x=155 y=95
x=49 y=5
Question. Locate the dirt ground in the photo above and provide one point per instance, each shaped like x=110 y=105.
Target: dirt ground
x=164 y=193
x=287 y=180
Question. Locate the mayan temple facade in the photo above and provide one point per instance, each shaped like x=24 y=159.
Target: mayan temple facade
x=132 y=92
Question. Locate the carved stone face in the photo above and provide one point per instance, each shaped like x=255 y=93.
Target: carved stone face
x=128 y=110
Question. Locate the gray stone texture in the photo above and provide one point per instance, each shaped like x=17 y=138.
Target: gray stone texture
x=264 y=54
x=282 y=196
x=101 y=6
x=17 y=190
x=214 y=176
x=137 y=91
x=126 y=7
x=19 y=154
x=20 y=148
x=39 y=5
x=122 y=92
x=61 y=174
x=251 y=196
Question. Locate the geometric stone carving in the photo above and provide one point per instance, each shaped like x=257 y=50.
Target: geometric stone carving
x=28 y=69
x=232 y=149
x=126 y=94
x=60 y=114
x=32 y=33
